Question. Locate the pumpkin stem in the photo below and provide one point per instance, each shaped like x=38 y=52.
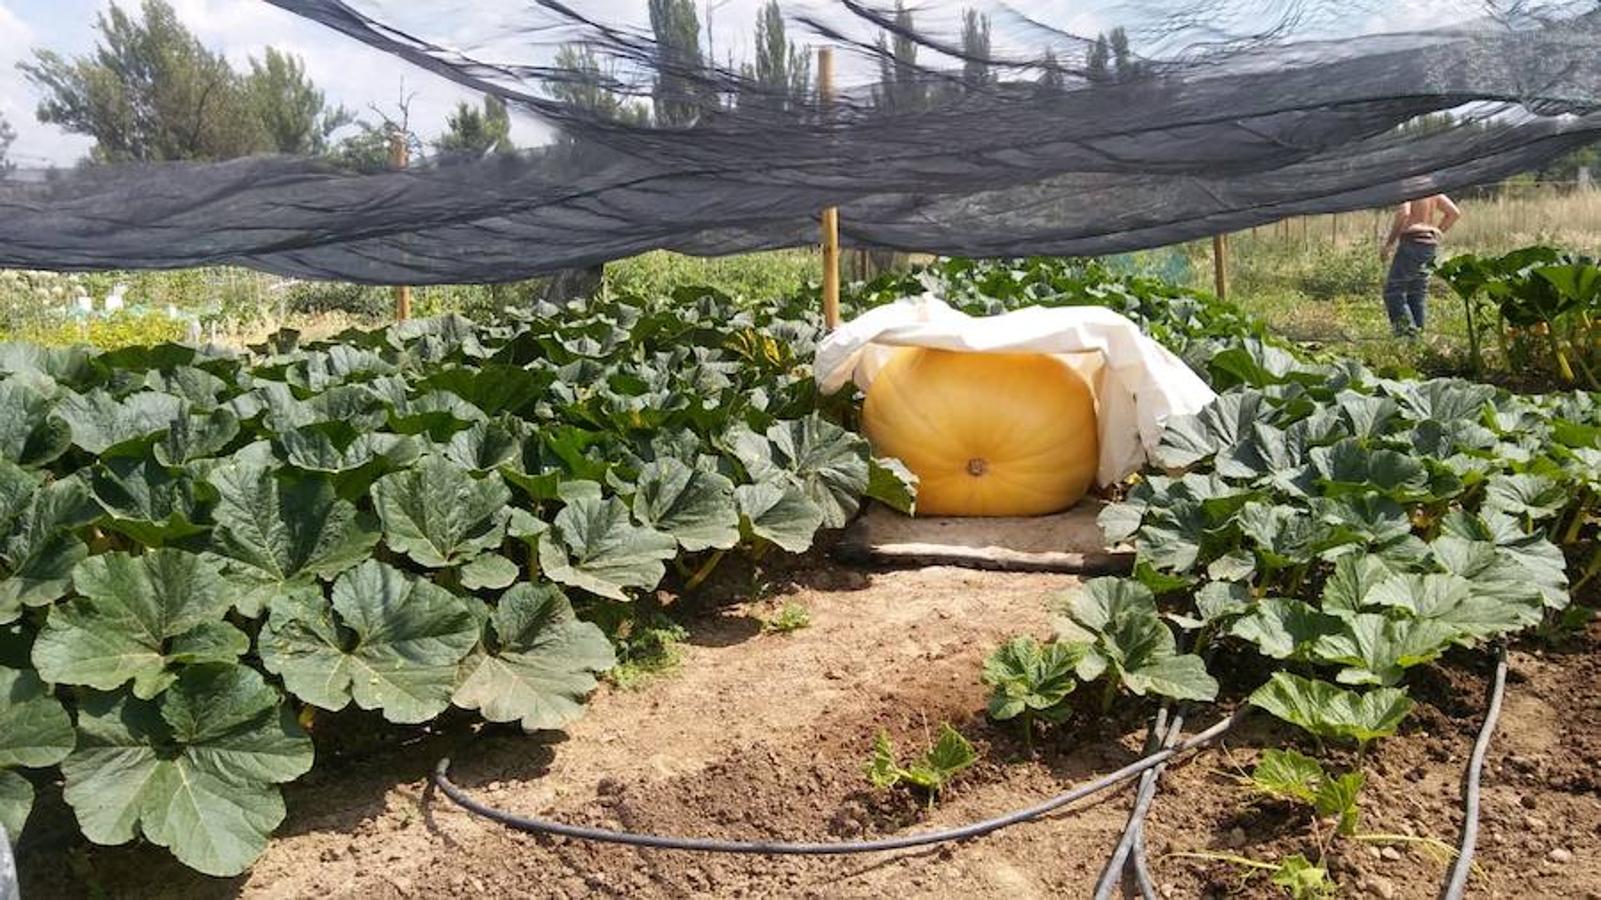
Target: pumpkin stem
x=976 y=467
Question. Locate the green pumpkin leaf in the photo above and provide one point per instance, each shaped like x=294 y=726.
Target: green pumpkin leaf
x=489 y=571
x=196 y=772
x=593 y=545
x=105 y=426
x=485 y=446
x=695 y=506
x=539 y=663
x=1331 y=712
x=133 y=619
x=1353 y=577
x=1532 y=496
x=275 y=530
x=38 y=543
x=1284 y=628
x=1462 y=606
x=892 y=484
x=388 y=641
x=1027 y=676
x=35 y=731
x=1377 y=649
x=146 y=501
x=336 y=449
x=780 y=512
x=438 y=514
x=195 y=437
x=1117 y=621
x=29 y=435
x=830 y=463
x=1288 y=775
x=16 y=801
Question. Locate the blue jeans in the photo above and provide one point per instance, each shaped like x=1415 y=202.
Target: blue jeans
x=1406 y=291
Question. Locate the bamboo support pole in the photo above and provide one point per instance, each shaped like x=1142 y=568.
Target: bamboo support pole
x=825 y=92
x=399 y=156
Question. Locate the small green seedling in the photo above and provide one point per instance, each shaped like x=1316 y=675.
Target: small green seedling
x=1297 y=875
x=1298 y=778
x=931 y=772
x=1030 y=680
x=791 y=617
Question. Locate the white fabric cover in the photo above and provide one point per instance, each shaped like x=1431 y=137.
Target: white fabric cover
x=1138 y=383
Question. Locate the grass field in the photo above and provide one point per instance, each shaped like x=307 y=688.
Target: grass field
x=1319 y=279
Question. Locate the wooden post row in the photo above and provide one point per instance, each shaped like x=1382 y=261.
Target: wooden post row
x=399 y=156
x=825 y=91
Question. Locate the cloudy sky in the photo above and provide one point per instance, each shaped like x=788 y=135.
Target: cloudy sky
x=359 y=78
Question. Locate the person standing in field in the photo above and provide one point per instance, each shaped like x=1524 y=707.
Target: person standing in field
x=1415 y=239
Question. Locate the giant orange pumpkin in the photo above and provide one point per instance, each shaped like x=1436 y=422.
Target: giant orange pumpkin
x=987 y=434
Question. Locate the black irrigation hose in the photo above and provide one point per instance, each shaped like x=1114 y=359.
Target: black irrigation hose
x=1142 y=868
x=785 y=848
x=1164 y=733
x=1457 y=884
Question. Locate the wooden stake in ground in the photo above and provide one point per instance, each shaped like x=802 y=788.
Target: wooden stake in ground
x=1220 y=265
x=825 y=91
x=399 y=156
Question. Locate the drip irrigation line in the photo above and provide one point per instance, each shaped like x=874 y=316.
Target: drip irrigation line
x=1457 y=883
x=1164 y=733
x=1142 y=868
x=832 y=848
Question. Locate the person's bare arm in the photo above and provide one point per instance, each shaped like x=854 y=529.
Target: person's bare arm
x=1449 y=213
x=1402 y=215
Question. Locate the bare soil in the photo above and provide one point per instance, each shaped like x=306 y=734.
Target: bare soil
x=765 y=736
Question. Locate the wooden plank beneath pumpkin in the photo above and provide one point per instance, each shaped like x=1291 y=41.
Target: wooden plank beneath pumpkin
x=1069 y=542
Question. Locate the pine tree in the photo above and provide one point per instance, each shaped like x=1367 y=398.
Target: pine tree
x=7 y=135
x=1097 y=65
x=1123 y=64
x=293 y=112
x=472 y=132
x=782 y=75
x=975 y=50
x=1050 y=80
x=150 y=91
x=900 y=87
x=680 y=92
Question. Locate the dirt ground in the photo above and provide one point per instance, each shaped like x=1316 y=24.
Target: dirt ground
x=765 y=736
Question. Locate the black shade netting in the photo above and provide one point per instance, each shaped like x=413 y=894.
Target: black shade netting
x=985 y=130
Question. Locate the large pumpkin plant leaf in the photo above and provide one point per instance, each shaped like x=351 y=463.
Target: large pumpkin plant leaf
x=778 y=511
x=1378 y=649
x=135 y=618
x=146 y=501
x=594 y=545
x=830 y=463
x=537 y=663
x=29 y=435
x=388 y=641
x=196 y=436
x=38 y=542
x=35 y=731
x=278 y=529
x=1332 y=712
x=1462 y=606
x=438 y=514
x=106 y=426
x=695 y=506
x=892 y=484
x=195 y=772
x=1116 y=621
x=1284 y=628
